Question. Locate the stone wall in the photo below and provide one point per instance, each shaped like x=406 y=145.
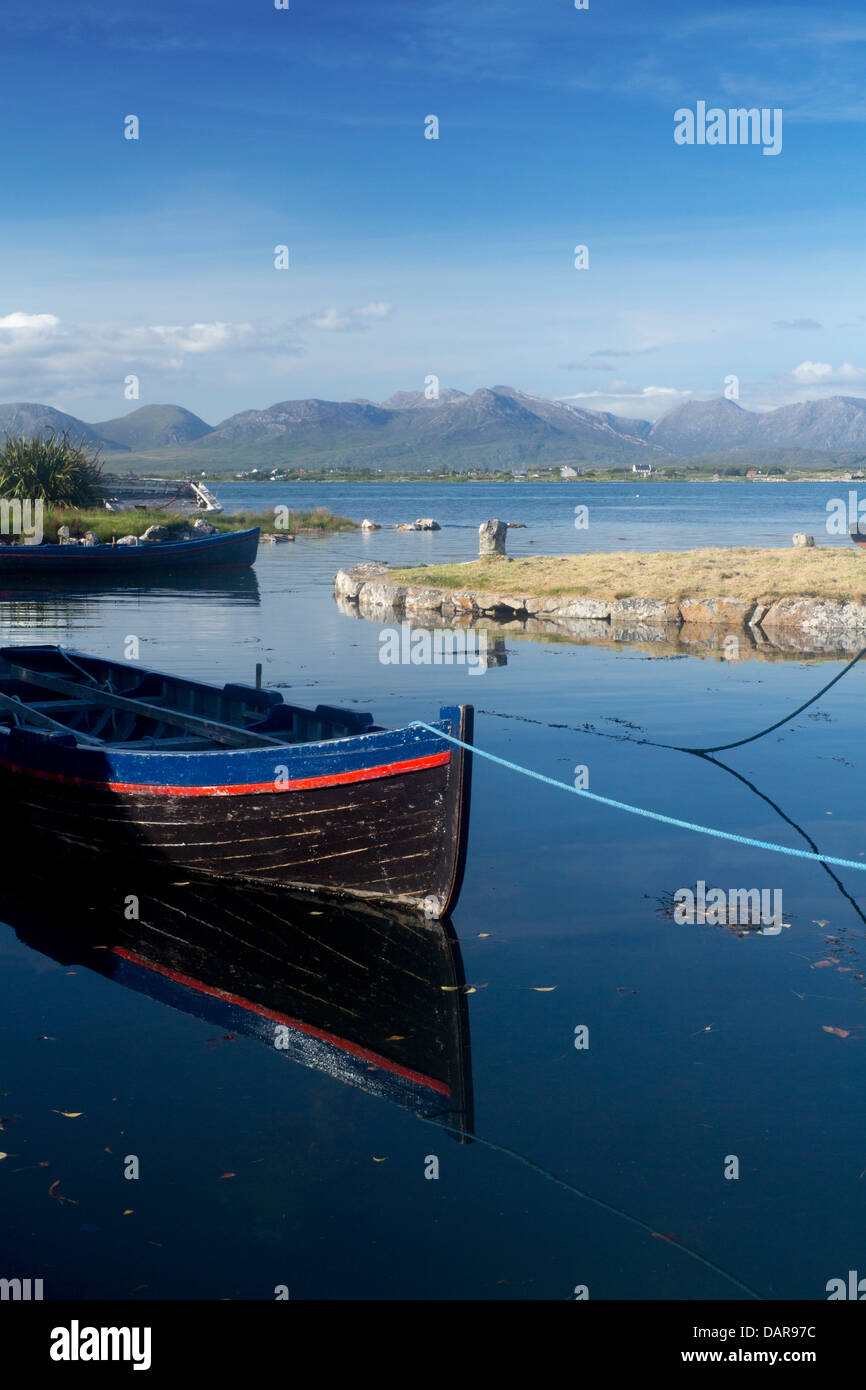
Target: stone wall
x=798 y=623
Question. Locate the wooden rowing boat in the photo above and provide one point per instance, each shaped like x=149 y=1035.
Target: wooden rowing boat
x=374 y=999
x=226 y=550
x=123 y=761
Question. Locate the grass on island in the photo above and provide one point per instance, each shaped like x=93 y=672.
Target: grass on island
x=107 y=525
x=743 y=573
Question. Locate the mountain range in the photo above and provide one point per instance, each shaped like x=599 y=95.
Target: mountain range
x=497 y=427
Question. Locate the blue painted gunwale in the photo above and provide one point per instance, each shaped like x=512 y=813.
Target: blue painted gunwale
x=60 y=757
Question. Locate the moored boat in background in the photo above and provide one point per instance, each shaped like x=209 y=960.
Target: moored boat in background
x=225 y=550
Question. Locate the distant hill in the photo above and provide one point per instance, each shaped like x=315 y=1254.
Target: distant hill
x=496 y=427
x=492 y=428
x=24 y=417
x=718 y=425
x=153 y=427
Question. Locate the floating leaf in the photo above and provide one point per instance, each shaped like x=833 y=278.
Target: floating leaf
x=396 y=1037
x=482 y=934
x=823 y=964
x=2 y=1156
x=380 y=1160
x=56 y=1183
x=128 y=1212
x=543 y=989
x=837 y=1032
x=70 y=1114
x=226 y=1175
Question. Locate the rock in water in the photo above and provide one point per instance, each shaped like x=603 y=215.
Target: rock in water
x=426 y=523
x=800 y=539
x=491 y=540
x=368 y=525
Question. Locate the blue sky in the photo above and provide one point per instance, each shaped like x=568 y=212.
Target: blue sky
x=410 y=256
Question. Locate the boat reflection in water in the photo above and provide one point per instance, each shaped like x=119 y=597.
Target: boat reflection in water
x=374 y=1000
x=236 y=587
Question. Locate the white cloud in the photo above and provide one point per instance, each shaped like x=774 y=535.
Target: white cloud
x=823 y=374
x=628 y=399
x=29 y=321
x=41 y=353
x=348 y=320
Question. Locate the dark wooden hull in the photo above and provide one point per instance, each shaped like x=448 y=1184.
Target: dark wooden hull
x=402 y=837
x=375 y=1000
x=230 y=550
x=322 y=801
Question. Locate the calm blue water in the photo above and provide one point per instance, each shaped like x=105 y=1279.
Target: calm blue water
x=622 y=516
x=704 y=1044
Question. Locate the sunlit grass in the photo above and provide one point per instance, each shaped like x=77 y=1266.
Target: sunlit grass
x=112 y=525
x=742 y=572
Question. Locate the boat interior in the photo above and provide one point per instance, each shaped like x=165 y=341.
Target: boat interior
x=109 y=703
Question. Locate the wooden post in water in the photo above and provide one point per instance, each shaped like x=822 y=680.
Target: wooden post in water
x=258 y=675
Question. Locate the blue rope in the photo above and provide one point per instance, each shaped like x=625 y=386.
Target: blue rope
x=640 y=810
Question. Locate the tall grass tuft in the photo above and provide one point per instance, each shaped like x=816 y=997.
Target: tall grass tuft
x=52 y=469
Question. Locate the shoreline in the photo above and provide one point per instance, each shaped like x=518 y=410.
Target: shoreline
x=804 y=621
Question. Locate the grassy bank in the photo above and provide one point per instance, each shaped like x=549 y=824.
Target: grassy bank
x=107 y=525
x=742 y=572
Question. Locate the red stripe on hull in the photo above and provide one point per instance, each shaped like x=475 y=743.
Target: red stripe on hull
x=335 y=779
x=363 y=1053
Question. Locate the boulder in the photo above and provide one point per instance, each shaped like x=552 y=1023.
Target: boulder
x=156 y=533
x=426 y=523
x=200 y=527
x=275 y=538
x=570 y=610
x=800 y=538
x=637 y=611
x=127 y=540
x=832 y=620
x=712 y=611
x=407 y=526
x=349 y=583
x=502 y=603
x=423 y=601
x=378 y=595
x=491 y=540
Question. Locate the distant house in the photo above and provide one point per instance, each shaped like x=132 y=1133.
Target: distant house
x=568 y=472
x=645 y=469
